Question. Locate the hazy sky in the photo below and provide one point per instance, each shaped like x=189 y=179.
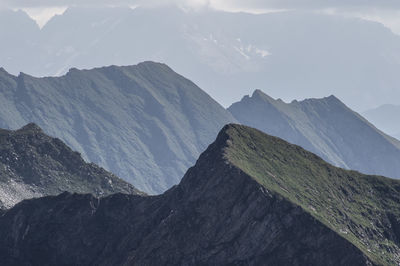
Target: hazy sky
x=386 y=12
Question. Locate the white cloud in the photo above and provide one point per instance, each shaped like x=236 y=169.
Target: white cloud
x=238 y=4
x=386 y=12
x=390 y=18
x=42 y=15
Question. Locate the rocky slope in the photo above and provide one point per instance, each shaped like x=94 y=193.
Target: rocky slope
x=250 y=199
x=33 y=164
x=326 y=127
x=145 y=123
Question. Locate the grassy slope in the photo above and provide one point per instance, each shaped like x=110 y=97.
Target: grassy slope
x=354 y=205
x=326 y=127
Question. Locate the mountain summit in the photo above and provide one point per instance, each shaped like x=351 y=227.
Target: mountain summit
x=250 y=199
x=33 y=164
x=326 y=127
x=145 y=123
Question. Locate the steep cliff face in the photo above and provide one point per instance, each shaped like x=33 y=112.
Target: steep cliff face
x=145 y=123
x=250 y=199
x=33 y=164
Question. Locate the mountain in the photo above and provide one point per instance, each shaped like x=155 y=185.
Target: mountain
x=145 y=123
x=19 y=37
x=250 y=199
x=32 y=164
x=326 y=127
x=298 y=54
x=386 y=118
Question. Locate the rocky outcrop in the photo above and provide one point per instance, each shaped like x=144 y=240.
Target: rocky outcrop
x=33 y=164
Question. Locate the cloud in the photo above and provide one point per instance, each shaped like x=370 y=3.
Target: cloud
x=315 y=4
x=90 y=3
x=43 y=14
x=383 y=11
x=248 y=4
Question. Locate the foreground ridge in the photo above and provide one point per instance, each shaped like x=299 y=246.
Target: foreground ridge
x=250 y=199
x=326 y=127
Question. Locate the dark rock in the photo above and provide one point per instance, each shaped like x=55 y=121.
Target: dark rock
x=217 y=215
x=33 y=164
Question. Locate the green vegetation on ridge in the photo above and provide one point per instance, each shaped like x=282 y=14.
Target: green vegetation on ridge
x=326 y=127
x=364 y=209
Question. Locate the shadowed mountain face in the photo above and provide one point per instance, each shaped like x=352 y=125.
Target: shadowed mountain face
x=326 y=127
x=250 y=199
x=145 y=123
x=298 y=54
x=33 y=164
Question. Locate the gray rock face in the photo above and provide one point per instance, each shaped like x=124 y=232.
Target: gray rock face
x=217 y=215
x=326 y=127
x=33 y=164
x=145 y=123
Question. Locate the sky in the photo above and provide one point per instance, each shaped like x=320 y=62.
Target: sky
x=386 y=12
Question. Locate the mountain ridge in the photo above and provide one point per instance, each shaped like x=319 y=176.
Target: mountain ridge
x=225 y=206
x=220 y=51
x=326 y=127
x=33 y=164
x=145 y=123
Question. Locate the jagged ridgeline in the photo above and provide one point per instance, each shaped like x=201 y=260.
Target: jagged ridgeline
x=145 y=123
x=326 y=127
x=33 y=164
x=250 y=199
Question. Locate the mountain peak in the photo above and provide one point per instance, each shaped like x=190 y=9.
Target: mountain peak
x=260 y=94
x=333 y=98
x=2 y=70
x=31 y=127
x=33 y=164
x=292 y=172
x=253 y=194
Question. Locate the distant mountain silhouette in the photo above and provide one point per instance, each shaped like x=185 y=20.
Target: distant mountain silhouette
x=296 y=54
x=145 y=123
x=326 y=127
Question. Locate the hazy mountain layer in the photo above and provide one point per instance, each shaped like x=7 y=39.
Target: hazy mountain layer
x=33 y=164
x=386 y=118
x=145 y=123
x=296 y=54
x=326 y=127
x=250 y=199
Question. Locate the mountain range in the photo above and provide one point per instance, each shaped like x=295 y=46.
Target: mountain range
x=145 y=123
x=250 y=199
x=33 y=164
x=137 y=165
x=292 y=54
x=326 y=127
